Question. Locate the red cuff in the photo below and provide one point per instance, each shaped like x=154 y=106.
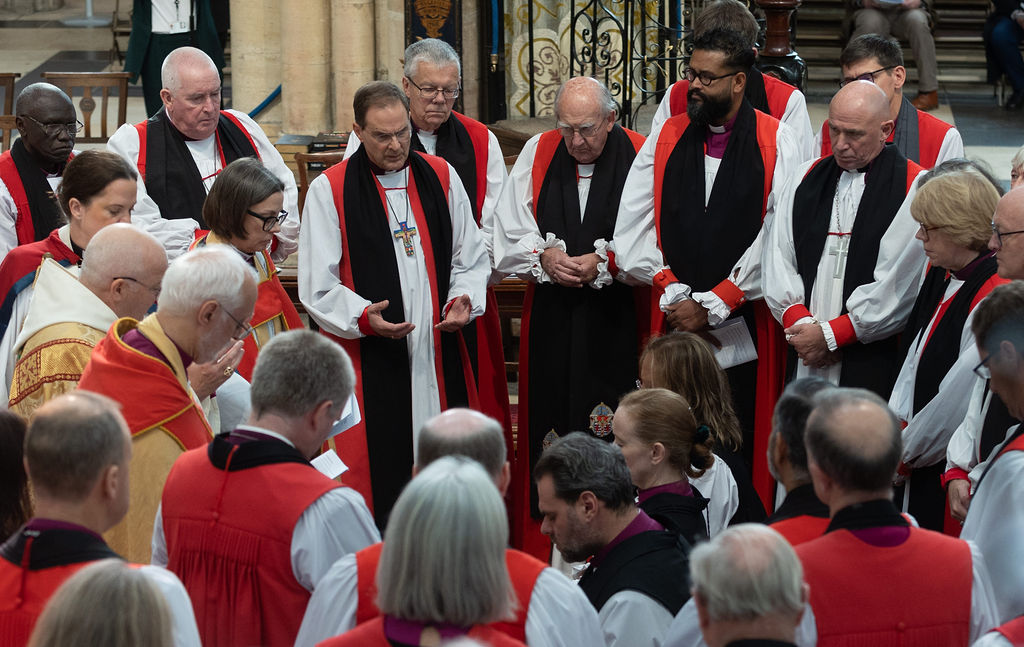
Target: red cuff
x=447 y=307
x=364 y=324
x=613 y=269
x=903 y=469
x=842 y=328
x=663 y=278
x=953 y=474
x=794 y=314
x=730 y=294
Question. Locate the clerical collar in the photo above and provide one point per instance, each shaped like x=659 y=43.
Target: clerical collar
x=376 y=170
x=965 y=272
x=718 y=138
x=39 y=524
x=876 y=522
x=249 y=433
x=408 y=632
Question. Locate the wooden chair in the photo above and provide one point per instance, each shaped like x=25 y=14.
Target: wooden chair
x=120 y=27
x=7 y=83
x=7 y=128
x=323 y=160
x=108 y=82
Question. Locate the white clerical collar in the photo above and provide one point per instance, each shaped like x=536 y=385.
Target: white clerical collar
x=718 y=130
x=265 y=432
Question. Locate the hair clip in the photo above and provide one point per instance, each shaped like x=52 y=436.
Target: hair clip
x=703 y=433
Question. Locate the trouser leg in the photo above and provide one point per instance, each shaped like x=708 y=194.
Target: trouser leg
x=913 y=25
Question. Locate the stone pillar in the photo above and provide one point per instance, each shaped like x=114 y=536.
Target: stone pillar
x=390 y=17
x=472 y=37
x=256 y=59
x=353 y=30
x=305 y=66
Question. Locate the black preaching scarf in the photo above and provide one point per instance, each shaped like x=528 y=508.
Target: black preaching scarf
x=756 y=94
x=42 y=204
x=905 y=135
x=386 y=382
x=172 y=179
x=702 y=244
x=455 y=147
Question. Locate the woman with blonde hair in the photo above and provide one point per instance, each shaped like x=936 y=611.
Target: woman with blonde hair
x=663 y=446
x=954 y=207
x=684 y=363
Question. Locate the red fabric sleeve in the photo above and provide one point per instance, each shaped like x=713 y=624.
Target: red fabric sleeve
x=794 y=313
x=842 y=328
x=730 y=294
x=663 y=278
x=953 y=474
x=364 y=324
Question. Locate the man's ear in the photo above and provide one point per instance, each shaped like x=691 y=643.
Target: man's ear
x=588 y=505
x=887 y=128
x=111 y=481
x=207 y=311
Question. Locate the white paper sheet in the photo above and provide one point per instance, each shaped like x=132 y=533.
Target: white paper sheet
x=737 y=344
x=329 y=464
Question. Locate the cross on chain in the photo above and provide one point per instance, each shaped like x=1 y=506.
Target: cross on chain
x=840 y=250
x=406 y=233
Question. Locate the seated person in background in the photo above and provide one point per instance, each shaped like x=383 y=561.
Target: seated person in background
x=442 y=571
x=15 y=503
x=245 y=209
x=31 y=170
x=120 y=277
x=1004 y=29
x=954 y=207
x=663 y=445
x=636 y=577
x=684 y=363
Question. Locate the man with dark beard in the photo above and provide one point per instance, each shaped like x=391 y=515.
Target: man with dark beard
x=705 y=262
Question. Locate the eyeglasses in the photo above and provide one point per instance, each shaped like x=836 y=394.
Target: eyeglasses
x=867 y=76
x=246 y=328
x=430 y=92
x=55 y=130
x=269 y=222
x=155 y=291
x=981 y=370
x=705 y=78
x=402 y=136
x=1000 y=234
x=585 y=132
x=926 y=230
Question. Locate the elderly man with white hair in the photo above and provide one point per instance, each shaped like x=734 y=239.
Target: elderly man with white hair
x=180 y=150
x=206 y=298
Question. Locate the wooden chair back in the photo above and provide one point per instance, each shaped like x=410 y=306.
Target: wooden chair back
x=108 y=83
x=7 y=83
x=7 y=128
x=324 y=160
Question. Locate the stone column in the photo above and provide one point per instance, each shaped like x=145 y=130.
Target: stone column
x=353 y=34
x=390 y=16
x=256 y=59
x=305 y=66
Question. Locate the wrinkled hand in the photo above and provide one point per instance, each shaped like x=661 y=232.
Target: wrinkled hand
x=809 y=342
x=588 y=266
x=563 y=269
x=959 y=493
x=385 y=328
x=458 y=314
x=207 y=378
x=688 y=315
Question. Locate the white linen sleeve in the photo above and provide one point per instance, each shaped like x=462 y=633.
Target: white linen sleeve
x=984 y=612
x=496 y=177
x=336 y=524
x=560 y=615
x=819 y=138
x=332 y=607
x=685 y=628
x=632 y=619
x=992 y=639
x=517 y=242
x=288 y=237
x=718 y=485
x=334 y=307
x=783 y=287
x=880 y=308
x=158 y=544
x=471 y=266
x=664 y=110
x=952 y=146
x=175 y=235
x=352 y=146
x=797 y=118
x=8 y=221
x=183 y=619
x=962 y=450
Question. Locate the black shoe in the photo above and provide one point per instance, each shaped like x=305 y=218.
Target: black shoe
x=1016 y=100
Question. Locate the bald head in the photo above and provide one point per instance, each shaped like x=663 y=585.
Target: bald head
x=863 y=97
x=854 y=439
x=191 y=58
x=583 y=90
x=124 y=266
x=463 y=432
x=859 y=123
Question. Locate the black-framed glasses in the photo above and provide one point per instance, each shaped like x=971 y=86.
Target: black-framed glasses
x=269 y=222
x=55 y=130
x=429 y=92
x=705 y=78
x=1000 y=234
x=246 y=328
x=585 y=132
x=867 y=76
x=155 y=291
x=982 y=370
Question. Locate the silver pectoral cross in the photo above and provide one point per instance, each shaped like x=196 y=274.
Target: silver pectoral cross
x=840 y=250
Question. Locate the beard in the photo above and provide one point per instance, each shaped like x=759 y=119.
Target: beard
x=707 y=109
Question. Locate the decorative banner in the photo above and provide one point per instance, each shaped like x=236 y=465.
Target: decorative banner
x=434 y=19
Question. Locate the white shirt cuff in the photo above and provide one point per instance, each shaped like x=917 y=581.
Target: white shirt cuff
x=717 y=310
x=535 y=267
x=604 y=277
x=674 y=293
x=830 y=337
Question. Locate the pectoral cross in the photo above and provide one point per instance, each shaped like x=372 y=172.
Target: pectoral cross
x=840 y=250
x=406 y=234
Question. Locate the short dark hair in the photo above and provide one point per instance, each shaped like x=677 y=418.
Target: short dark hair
x=377 y=94
x=15 y=504
x=851 y=468
x=578 y=463
x=739 y=55
x=88 y=174
x=242 y=184
x=791 y=413
x=727 y=14
x=1000 y=317
x=865 y=46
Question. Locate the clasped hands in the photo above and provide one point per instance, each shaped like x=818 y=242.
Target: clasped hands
x=808 y=340
x=569 y=271
x=457 y=316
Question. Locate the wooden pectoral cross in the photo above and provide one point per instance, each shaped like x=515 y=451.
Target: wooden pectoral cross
x=406 y=234
x=840 y=250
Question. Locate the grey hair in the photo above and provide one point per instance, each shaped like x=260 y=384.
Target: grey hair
x=1018 y=159
x=603 y=94
x=579 y=463
x=433 y=51
x=71 y=440
x=190 y=56
x=746 y=572
x=215 y=272
x=297 y=371
x=474 y=435
x=964 y=165
x=444 y=555
x=79 y=611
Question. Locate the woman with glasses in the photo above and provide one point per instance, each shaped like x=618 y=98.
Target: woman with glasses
x=954 y=207
x=244 y=210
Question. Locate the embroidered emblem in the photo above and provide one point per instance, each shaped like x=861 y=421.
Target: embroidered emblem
x=549 y=439
x=601 y=420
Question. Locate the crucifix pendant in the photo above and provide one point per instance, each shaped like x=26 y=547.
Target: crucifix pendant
x=406 y=234
x=840 y=251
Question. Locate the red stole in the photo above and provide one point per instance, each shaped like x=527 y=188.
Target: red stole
x=802 y=528
x=18 y=269
x=12 y=179
x=141 y=129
